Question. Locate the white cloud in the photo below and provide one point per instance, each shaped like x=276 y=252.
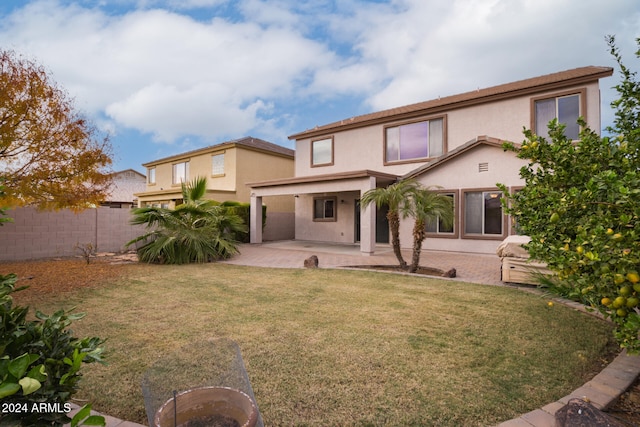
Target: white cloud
x=174 y=76
x=431 y=49
x=164 y=73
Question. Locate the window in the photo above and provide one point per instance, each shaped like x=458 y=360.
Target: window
x=438 y=227
x=180 y=172
x=564 y=108
x=322 y=152
x=483 y=213
x=217 y=164
x=151 y=175
x=414 y=141
x=324 y=209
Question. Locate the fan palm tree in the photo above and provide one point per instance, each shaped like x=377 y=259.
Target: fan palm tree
x=198 y=230
x=395 y=196
x=426 y=207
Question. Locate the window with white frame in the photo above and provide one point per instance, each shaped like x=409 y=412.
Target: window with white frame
x=217 y=161
x=151 y=175
x=322 y=152
x=564 y=108
x=439 y=227
x=324 y=209
x=414 y=141
x=483 y=213
x=180 y=172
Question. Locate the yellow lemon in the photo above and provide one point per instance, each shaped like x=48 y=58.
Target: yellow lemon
x=625 y=291
x=619 y=302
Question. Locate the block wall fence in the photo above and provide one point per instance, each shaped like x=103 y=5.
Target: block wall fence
x=37 y=234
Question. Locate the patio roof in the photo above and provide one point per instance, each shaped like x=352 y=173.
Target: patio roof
x=341 y=176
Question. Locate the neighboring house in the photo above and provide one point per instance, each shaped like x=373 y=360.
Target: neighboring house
x=227 y=167
x=124 y=185
x=452 y=142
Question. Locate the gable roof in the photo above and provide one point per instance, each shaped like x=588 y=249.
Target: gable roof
x=123 y=173
x=467 y=146
x=248 y=142
x=509 y=90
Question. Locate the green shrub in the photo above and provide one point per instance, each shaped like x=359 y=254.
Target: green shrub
x=243 y=210
x=580 y=207
x=40 y=363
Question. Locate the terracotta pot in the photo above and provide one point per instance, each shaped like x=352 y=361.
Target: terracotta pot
x=206 y=402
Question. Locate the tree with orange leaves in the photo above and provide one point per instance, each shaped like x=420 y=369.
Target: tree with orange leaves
x=50 y=156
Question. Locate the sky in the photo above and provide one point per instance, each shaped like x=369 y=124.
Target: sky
x=162 y=77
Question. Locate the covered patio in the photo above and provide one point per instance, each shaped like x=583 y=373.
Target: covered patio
x=326 y=207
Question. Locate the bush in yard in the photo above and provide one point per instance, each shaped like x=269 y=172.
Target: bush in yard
x=198 y=230
x=581 y=208
x=243 y=211
x=40 y=364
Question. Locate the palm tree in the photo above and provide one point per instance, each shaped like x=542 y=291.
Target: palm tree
x=426 y=207
x=198 y=230
x=395 y=196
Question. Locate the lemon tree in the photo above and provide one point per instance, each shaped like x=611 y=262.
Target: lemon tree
x=581 y=208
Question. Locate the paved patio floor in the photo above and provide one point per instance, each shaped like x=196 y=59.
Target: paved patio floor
x=476 y=268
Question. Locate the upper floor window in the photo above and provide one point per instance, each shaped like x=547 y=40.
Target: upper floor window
x=180 y=172
x=322 y=152
x=217 y=161
x=564 y=108
x=414 y=141
x=151 y=175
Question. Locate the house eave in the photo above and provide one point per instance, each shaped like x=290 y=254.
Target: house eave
x=324 y=178
x=454 y=102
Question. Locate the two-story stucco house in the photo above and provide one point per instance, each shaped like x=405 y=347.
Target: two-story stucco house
x=452 y=142
x=227 y=167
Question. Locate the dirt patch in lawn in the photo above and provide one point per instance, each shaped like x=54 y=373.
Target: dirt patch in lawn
x=427 y=271
x=60 y=275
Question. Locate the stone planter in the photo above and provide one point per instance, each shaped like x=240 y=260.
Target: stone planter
x=206 y=406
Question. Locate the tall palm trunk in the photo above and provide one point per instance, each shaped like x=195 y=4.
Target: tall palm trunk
x=394 y=225
x=419 y=235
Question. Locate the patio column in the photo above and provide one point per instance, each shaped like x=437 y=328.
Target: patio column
x=255 y=219
x=368 y=223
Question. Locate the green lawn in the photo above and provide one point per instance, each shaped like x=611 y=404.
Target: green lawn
x=342 y=348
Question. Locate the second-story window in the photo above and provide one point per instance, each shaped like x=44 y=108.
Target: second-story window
x=180 y=172
x=564 y=108
x=217 y=161
x=151 y=175
x=322 y=152
x=414 y=141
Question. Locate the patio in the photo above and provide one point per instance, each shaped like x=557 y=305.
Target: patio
x=475 y=268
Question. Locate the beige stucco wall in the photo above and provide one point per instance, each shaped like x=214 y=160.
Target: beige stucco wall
x=258 y=166
x=363 y=148
x=340 y=231
x=462 y=173
x=241 y=166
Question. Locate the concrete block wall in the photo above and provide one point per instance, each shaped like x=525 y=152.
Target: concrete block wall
x=37 y=234
x=279 y=226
